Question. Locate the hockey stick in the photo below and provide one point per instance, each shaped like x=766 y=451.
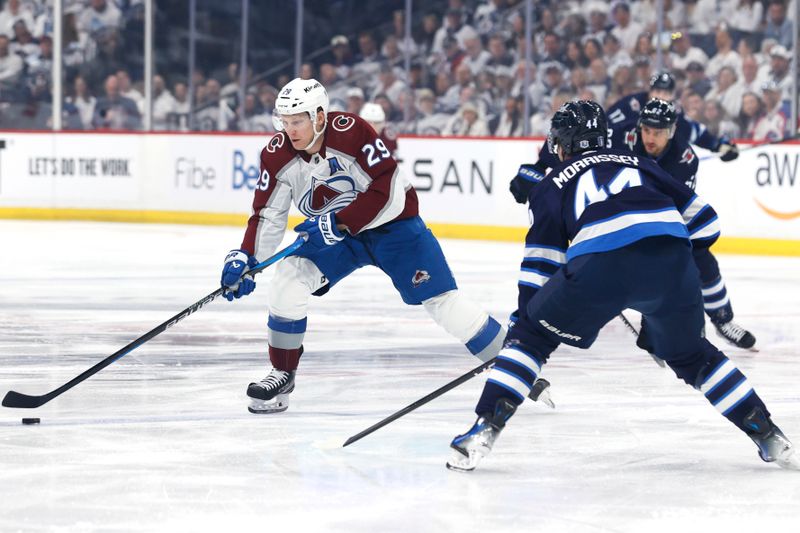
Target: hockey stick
x=660 y=362
x=754 y=146
x=422 y=401
x=25 y=401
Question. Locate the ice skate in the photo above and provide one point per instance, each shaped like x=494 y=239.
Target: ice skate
x=773 y=446
x=736 y=335
x=271 y=394
x=540 y=392
x=475 y=444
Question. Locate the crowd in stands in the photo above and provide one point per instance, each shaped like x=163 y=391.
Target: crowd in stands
x=468 y=68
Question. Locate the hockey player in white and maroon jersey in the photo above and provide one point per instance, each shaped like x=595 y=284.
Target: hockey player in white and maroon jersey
x=361 y=211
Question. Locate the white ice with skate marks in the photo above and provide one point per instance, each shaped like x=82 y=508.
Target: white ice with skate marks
x=162 y=441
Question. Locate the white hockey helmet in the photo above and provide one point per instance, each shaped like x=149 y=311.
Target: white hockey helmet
x=302 y=96
x=372 y=112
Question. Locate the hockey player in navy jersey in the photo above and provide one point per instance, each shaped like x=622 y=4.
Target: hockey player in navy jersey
x=611 y=230
x=625 y=112
x=361 y=211
x=654 y=136
x=622 y=116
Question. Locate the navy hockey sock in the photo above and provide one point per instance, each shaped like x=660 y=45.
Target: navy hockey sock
x=512 y=378
x=716 y=301
x=728 y=390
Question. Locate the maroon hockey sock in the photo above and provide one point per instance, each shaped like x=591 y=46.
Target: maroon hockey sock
x=286 y=360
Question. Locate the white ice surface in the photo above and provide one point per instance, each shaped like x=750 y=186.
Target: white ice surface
x=162 y=441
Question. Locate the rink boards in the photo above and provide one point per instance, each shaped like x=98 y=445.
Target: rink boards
x=462 y=183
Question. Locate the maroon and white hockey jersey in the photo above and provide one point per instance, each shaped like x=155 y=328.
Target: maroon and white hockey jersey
x=353 y=175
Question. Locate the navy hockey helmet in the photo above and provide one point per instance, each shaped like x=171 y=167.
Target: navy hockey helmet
x=662 y=81
x=659 y=114
x=578 y=126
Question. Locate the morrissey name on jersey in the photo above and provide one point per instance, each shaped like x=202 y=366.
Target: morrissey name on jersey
x=571 y=170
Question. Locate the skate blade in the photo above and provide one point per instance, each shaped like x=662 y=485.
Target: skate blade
x=459 y=462
x=541 y=393
x=278 y=404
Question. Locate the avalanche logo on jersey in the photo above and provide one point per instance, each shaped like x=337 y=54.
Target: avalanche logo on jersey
x=420 y=277
x=327 y=195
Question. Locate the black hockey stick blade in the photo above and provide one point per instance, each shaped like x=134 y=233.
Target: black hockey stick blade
x=422 y=401
x=25 y=401
x=660 y=362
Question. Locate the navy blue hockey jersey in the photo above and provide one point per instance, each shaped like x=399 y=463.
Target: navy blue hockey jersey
x=624 y=114
x=679 y=160
x=604 y=200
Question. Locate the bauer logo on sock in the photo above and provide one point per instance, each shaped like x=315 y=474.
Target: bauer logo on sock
x=420 y=277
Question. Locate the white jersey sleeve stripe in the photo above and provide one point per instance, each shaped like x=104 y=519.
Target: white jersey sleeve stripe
x=532 y=277
x=553 y=255
x=709 y=230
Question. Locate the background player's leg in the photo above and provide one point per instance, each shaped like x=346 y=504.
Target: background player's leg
x=716 y=300
x=676 y=330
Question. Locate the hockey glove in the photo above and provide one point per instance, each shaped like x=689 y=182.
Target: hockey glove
x=728 y=149
x=520 y=187
x=320 y=232
x=237 y=262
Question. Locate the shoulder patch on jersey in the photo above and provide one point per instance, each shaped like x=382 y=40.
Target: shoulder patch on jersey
x=343 y=123
x=635 y=105
x=687 y=156
x=276 y=142
x=630 y=139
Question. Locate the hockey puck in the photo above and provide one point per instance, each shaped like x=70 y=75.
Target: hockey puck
x=28 y=421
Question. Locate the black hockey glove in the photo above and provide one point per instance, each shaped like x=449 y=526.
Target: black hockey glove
x=728 y=149
x=527 y=176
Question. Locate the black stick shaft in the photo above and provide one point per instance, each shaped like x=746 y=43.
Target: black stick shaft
x=422 y=401
x=16 y=399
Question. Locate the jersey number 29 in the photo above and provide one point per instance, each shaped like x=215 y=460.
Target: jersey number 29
x=374 y=156
x=587 y=192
